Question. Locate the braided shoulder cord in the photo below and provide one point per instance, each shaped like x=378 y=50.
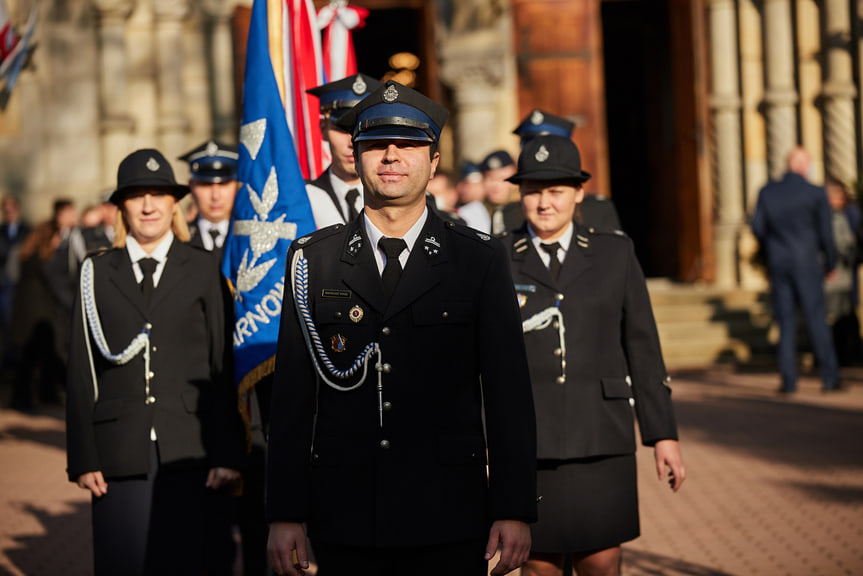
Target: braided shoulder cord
x=542 y=320
x=92 y=321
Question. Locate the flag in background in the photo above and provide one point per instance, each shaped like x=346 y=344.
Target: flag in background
x=302 y=70
x=337 y=20
x=271 y=207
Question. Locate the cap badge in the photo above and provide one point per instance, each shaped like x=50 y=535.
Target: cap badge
x=337 y=342
x=541 y=154
x=537 y=118
x=359 y=86
x=494 y=163
x=390 y=95
x=152 y=165
x=356 y=314
x=212 y=148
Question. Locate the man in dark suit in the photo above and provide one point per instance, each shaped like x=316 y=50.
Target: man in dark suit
x=336 y=196
x=387 y=466
x=792 y=222
x=152 y=424
x=213 y=182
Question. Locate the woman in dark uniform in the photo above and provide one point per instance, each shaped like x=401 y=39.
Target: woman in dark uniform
x=593 y=350
x=153 y=431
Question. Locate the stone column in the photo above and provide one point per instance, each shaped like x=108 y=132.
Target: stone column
x=221 y=63
x=781 y=95
x=115 y=123
x=725 y=107
x=171 y=124
x=838 y=93
x=472 y=64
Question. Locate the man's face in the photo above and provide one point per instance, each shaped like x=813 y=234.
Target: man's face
x=395 y=172
x=10 y=210
x=215 y=200
x=549 y=206
x=444 y=192
x=342 y=149
x=148 y=214
x=497 y=190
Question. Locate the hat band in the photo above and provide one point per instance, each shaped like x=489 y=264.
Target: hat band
x=364 y=125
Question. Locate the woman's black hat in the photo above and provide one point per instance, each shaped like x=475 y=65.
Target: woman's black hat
x=550 y=157
x=146 y=168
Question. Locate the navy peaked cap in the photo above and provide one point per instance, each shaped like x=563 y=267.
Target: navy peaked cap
x=338 y=97
x=212 y=161
x=397 y=112
x=540 y=122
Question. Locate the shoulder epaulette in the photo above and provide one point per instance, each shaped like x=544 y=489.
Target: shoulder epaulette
x=318 y=235
x=476 y=235
x=607 y=232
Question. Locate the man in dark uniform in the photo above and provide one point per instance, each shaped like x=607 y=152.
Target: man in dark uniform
x=505 y=212
x=336 y=196
x=398 y=333
x=213 y=181
x=792 y=221
x=595 y=210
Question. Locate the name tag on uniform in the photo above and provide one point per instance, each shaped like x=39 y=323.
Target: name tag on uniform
x=334 y=293
x=525 y=288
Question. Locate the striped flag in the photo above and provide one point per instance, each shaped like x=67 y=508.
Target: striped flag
x=302 y=70
x=271 y=207
x=337 y=20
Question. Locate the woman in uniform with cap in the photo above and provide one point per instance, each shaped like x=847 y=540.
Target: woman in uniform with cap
x=592 y=349
x=152 y=425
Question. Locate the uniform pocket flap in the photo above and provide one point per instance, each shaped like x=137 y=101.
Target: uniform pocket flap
x=107 y=410
x=443 y=313
x=616 y=388
x=463 y=450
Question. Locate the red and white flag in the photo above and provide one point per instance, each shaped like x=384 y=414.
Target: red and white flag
x=337 y=20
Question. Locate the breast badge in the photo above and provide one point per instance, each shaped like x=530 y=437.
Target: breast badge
x=522 y=300
x=355 y=314
x=338 y=342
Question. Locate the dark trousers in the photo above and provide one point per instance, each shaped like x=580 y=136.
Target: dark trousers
x=453 y=559
x=158 y=524
x=791 y=289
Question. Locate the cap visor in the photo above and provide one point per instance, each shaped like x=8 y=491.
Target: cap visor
x=579 y=177
x=394 y=133
x=178 y=190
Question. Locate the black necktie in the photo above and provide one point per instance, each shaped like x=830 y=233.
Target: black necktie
x=392 y=247
x=554 y=264
x=351 y=199
x=148 y=267
x=214 y=234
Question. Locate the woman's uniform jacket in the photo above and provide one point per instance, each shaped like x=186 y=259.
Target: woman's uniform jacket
x=452 y=351
x=192 y=404
x=584 y=409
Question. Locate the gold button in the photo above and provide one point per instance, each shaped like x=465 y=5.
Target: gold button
x=561 y=379
x=558 y=351
x=386 y=331
x=387 y=368
x=338 y=314
x=385 y=444
x=148 y=326
x=151 y=400
x=388 y=406
x=559 y=296
x=151 y=374
x=445 y=315
x=154 y=348
x=555 y=325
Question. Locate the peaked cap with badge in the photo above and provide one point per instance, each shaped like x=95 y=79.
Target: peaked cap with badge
x=146 y=168
x=336 y=98
x=212 y=162
x=496 y=160
x=550 y=157
x=395 y=112
x=539 y=122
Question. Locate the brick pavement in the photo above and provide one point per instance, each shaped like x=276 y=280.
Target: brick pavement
x=775 y=486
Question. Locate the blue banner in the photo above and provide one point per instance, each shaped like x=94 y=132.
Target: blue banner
x=271 y=209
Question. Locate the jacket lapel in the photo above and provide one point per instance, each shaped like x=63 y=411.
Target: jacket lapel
x=122 y=276
x=172 y=273
x=524 y=253
x=578 y=258
x=323 y=182
x=422 y=271
x=361 y=274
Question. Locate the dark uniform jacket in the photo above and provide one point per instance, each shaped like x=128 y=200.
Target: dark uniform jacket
x=451 y=346
x=792 y=221
x=609 y=325
x=194 y=413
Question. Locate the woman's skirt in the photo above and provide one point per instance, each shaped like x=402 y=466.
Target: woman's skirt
x=586 y=504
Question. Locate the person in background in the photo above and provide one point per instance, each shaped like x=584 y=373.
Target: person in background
x=838 y=288
x=336 y=196
x=595 y=210
x=501 y=196
x=587 y=318
x=152 y=427
x=471 y=196
x=213 y=181
x=793 y=225
x=13 y=230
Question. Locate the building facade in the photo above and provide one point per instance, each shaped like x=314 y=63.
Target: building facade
x=683 y=108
